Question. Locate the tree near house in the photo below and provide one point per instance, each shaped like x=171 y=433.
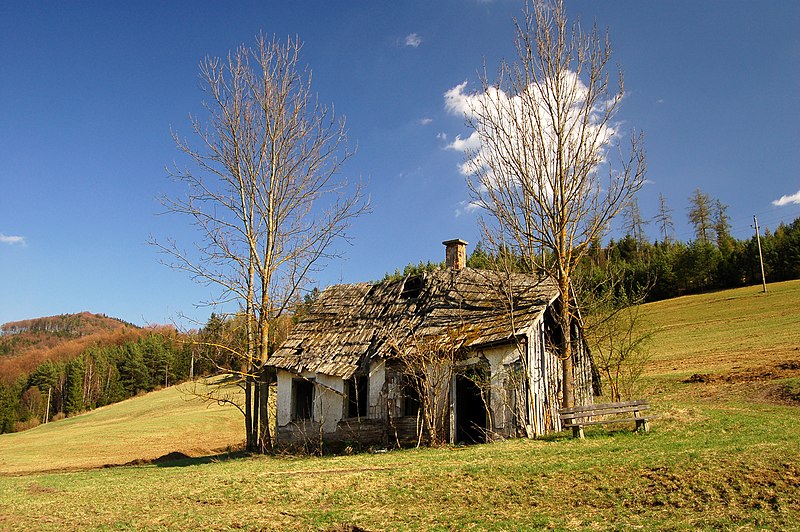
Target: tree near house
x=547 y=165
x=265 y=192
x=427 y=365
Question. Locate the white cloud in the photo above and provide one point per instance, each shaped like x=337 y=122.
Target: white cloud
x=520 y=118
x=425 y=121
x=458 y=102
x=413 y=40
x=787 y=200
x=11 y=240
x=473 y=142
x=441 y=136
x=466 y=207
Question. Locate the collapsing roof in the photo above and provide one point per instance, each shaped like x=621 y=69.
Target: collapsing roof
x=353 y=322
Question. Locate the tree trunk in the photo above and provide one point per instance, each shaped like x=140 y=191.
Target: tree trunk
x=265 y=441
x=248 y=416
x=568 y=398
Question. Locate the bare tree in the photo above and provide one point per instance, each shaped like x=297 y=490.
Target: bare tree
x=634 y=223
x=264 y=191
x=618 y=339
x=664 y=219
x=427 y=365
x=543 y=134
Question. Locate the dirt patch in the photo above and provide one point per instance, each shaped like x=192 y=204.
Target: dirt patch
x=171 y=457
x=781 y=370
x=757 y=383
x=35 y=488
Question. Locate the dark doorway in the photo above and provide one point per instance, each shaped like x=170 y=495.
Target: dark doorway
x=471 y=419
x=357 y=396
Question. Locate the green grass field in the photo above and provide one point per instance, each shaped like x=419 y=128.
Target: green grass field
x=723 y=455
x=142 y=428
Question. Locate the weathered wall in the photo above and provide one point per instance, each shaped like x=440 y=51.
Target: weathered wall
x=501 y=361
x=545 y=377
x=376 y=407
x=328 y=419
x=327 y=408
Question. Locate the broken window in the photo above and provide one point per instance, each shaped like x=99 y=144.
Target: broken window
x=357 y=388
x=412 y=287
x=410 y=398
x=303 y=399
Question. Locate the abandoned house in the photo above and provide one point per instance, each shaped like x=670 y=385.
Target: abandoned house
x=350 y=371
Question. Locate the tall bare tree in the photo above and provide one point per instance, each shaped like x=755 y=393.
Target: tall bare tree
x=265 y=192
x=663 y=219
x=634 y=224
x=540 y=161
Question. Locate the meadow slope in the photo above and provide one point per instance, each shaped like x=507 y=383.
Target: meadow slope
x=723 y=455
x=138 y=429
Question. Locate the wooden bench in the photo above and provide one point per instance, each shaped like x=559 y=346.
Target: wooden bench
x=577 y=417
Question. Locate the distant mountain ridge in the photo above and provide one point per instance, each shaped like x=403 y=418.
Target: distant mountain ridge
x=27 y=343
x=72 y=325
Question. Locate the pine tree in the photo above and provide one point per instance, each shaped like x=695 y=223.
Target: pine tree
x=722 y=227
x=700 y=215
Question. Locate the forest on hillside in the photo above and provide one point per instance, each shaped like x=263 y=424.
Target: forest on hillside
x=61 y=365
x=52 y=371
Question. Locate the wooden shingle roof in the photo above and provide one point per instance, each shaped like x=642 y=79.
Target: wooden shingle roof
x=351 y=323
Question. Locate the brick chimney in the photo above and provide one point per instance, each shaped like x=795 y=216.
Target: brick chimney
x=455 y=253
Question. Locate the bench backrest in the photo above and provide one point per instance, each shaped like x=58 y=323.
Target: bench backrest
x=576 y=412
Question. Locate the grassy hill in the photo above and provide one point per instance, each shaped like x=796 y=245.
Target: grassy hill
x=139 y=429
x=721 y=331
x=723 y=455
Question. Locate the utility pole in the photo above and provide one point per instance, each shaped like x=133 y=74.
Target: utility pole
x=760 y=256
x=47 y=411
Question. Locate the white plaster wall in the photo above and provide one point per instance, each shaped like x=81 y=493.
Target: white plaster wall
x=499 y=359
x=283 y=414
x=328 y=401
x=376 y=404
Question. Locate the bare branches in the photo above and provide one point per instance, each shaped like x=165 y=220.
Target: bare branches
x=264 y=186
x=544 y=134
x=428 y=365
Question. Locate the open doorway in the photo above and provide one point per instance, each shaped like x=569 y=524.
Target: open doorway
x=471 y=417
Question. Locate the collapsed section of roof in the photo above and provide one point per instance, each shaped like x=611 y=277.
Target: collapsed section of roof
x=352 y=323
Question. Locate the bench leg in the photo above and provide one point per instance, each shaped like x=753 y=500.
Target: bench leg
x=577 y=431
x=642 y=425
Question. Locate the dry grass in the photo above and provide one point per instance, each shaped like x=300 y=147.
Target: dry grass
x=723 y=455
x=142 y=428
x=727 y=330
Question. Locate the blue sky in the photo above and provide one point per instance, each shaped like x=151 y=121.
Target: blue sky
x=90 y=90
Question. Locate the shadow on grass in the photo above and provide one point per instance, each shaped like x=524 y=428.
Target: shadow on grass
x=591 y=434
x=178 y=459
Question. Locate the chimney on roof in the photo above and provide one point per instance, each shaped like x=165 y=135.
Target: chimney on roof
x=455 y=253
